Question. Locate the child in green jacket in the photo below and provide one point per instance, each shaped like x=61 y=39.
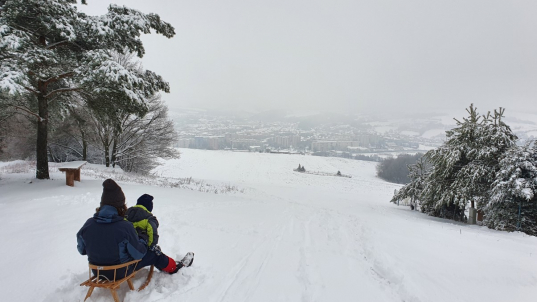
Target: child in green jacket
x=143 y=220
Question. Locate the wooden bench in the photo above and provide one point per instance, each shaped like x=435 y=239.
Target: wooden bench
x=98 y=280
x=72 y=171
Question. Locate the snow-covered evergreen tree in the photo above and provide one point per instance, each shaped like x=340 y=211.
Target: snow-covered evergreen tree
x=49 y=50
x=464 y=167
x=513 y=202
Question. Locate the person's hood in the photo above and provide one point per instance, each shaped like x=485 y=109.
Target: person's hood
x=137 y=213
x=107 y=214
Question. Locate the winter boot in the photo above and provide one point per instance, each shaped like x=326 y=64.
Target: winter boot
x=174 y=266
x=187 y=259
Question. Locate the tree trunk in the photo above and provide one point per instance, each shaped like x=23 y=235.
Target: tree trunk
x=84 y=143
x=41 y=171
x=106 y=147
x=84 y=149
x=114 y=153
x=81 y=125
x=107 y=156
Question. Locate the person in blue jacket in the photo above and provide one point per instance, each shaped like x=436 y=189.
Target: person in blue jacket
x=108 y=239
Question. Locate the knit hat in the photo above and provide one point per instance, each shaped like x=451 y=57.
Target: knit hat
x=112 y=194
x=146 y=200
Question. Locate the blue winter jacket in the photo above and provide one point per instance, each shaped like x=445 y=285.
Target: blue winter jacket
x=108 y=239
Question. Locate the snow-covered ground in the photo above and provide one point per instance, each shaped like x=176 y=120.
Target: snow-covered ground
x=278 y=235
x=434 y=133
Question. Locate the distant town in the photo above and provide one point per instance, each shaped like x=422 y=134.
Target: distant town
x=344 y=136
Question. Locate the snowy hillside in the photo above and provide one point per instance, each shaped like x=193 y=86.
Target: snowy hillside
x=278 y=235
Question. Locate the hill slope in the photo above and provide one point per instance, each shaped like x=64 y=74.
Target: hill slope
x=287 y=237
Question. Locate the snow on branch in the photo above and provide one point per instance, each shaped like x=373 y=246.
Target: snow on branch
x=121 y=28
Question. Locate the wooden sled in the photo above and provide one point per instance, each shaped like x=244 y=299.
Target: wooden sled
x=100 y=281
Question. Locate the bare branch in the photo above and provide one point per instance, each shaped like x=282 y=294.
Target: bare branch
x=53 y=100
x=53 y=45
x=30 y=112
x=22 y=28
x=31 y=90
x=67 y=147
x=60 y=91
x=58 y=77
x=6 y=116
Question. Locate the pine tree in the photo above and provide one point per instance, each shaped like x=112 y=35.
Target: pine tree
x=463 y=168
x=513 y=203
x=495 y=140
x=50 y=51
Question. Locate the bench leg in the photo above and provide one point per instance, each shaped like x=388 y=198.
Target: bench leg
x=70 y=178
x=131 y=286
x=114 y=295
x=90 y=290
x=77 y=175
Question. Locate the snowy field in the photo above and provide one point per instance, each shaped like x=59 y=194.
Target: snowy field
x=277 y=236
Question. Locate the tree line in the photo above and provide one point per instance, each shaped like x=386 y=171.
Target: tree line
x=479 y=166
x=395 y=169
x=349 y=155
x=72 y=84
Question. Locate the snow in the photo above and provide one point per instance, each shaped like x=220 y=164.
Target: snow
x=447 y=119
x=532 y=134
x=410 y=133
x=527 y=193
x=286 y=237
x=72 y=165
x=382 y=127
x=434 y=133
x=425 y=147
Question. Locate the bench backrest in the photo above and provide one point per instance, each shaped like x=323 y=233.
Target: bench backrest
x=99 y=268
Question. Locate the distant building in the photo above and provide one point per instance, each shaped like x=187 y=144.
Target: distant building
x=323 y=146
x=183 y=143
x=215 y=142
x=369 y=140
x=244 y=143
x=207 y=142
x=286 y=141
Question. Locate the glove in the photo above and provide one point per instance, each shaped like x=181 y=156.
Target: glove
x=155 y=248
x=142 y=235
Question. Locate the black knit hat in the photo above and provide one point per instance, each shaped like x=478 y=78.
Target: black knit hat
x=112 y=194
x=146 y=200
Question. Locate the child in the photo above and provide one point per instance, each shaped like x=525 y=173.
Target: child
x=142 y=219
x=145 y=223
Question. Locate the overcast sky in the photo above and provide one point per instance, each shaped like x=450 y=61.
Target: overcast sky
x=396 y=55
